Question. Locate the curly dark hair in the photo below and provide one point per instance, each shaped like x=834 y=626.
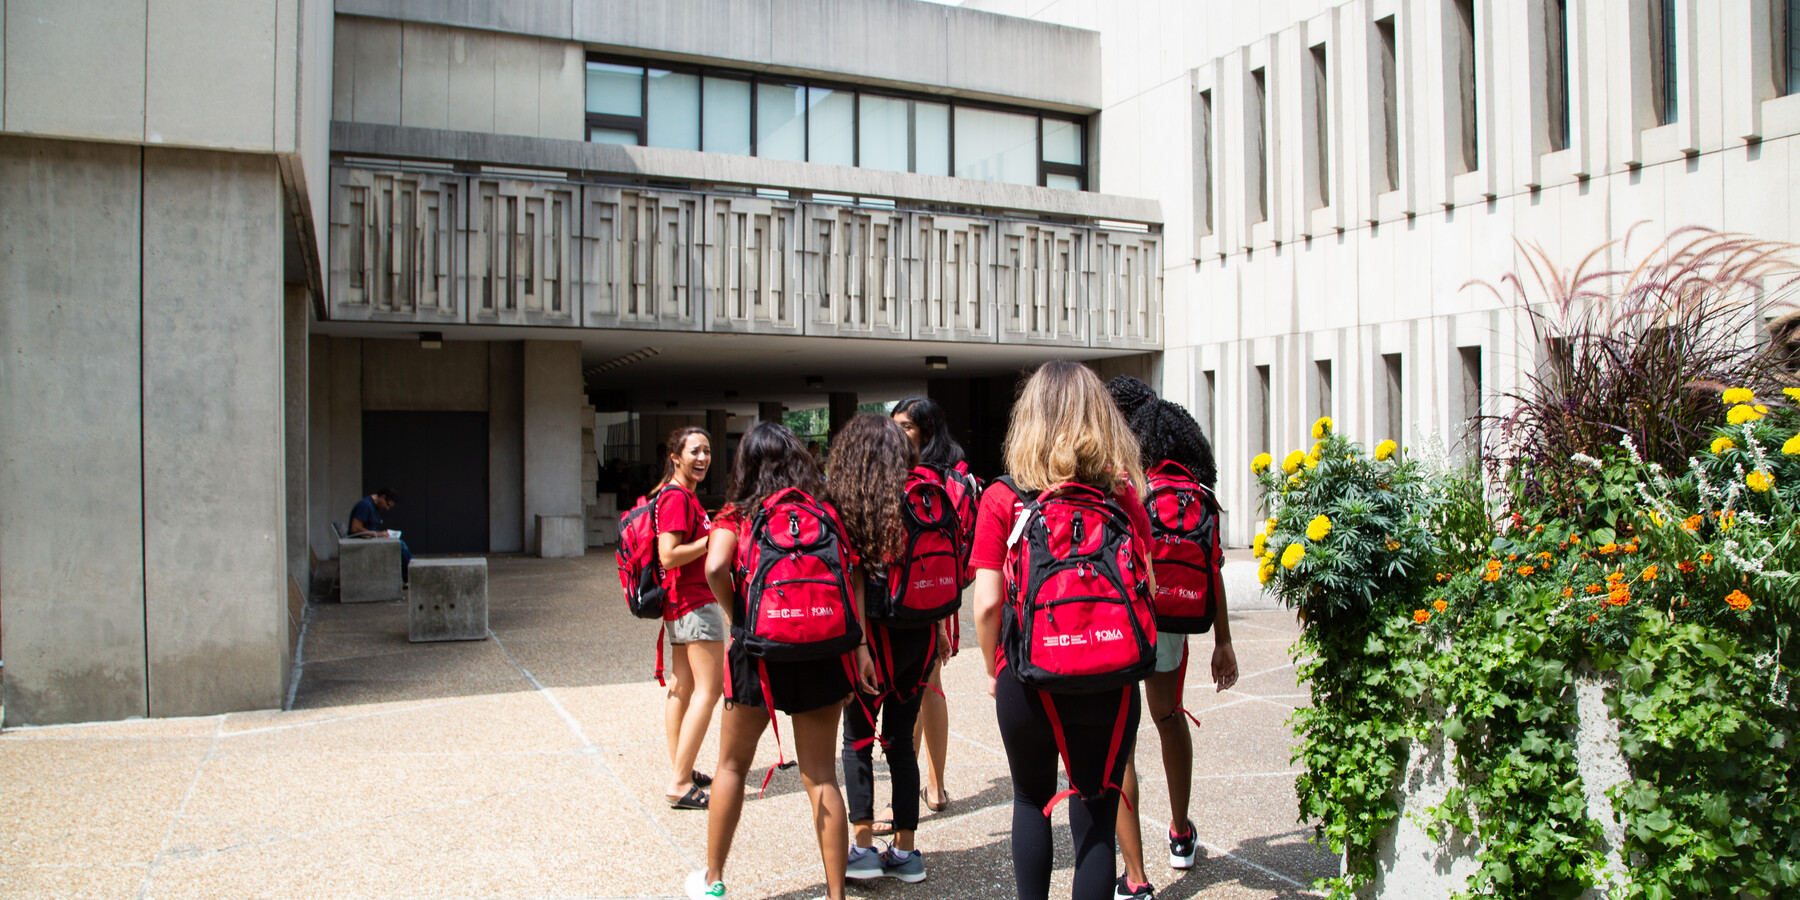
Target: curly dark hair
x=769 y=459
x=1164 y=430
x=867 y=471
x=937 y=448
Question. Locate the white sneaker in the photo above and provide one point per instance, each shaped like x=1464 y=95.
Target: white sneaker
x=698 y=889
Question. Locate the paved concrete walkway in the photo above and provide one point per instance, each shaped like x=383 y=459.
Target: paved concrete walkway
x=532 y=765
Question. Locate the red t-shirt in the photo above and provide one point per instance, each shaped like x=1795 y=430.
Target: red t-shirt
x=679 y=511
x=999 y=510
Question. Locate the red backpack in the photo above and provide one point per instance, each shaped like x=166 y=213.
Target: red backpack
x=965 y=494
x=1184 y=525
x=1078 y=617
x=925 y=584
x=641 y=573
x=794 y=566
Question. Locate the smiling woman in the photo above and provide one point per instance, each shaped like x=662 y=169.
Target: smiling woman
x=693 y=621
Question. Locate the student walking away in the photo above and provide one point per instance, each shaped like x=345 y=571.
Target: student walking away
x=782 y=565
x=902 y=522
x=923 y=421
x=1063 y=591
x=366 y=522
x=691 y=615
x=1190 y=599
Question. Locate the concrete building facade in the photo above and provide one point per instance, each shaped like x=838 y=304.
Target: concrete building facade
x=1336 y=175
x=272 y=255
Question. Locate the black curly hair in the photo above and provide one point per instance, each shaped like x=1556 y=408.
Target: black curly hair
x=1164 y=430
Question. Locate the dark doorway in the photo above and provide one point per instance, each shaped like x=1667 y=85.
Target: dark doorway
x=438 y=463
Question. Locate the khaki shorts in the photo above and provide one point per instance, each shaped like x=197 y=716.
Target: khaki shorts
x=704 y=624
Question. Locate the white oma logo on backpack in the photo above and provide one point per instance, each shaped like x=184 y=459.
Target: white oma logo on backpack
x=1100 y=636
x=1182 y=593
x=797 y=613
x=940 y=581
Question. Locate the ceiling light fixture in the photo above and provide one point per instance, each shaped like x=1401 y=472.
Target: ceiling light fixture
x=815 y=382
x=937 y=362
x=431 y=340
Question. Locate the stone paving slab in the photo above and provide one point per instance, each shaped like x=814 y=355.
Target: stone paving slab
x=532 y=765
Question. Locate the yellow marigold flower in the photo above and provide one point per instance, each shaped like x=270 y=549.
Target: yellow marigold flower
x=1792 y=392
x=1292 y=463
x=1318 y=528
x=1261 y=463
x=1266 y=572
x=1741 y=413
x=1649 y=573
x=1440 y=606
x=1760 y=482
x=1420 y=616
x=1738 y=600
x=1259 y=544
x=1392 y=545
x=1738 y=395
x=1269 y=526
x=1384 y=450
x=1292 y=555
x=1792 y=447
x=1722 y=444
x=1321 y=428
x=1706 y=559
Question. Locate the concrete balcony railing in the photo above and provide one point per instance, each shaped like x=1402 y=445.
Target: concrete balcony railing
x=428 y=247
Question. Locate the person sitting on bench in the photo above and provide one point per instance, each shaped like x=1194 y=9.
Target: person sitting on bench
x=365 y=522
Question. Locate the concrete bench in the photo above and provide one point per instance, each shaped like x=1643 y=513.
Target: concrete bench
x=448 y=601
x=561 y=537
x=368 y=569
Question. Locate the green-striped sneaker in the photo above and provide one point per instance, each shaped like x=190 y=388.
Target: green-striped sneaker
x=698 y=889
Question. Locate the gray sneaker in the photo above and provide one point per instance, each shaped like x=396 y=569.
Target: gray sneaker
x=864 y=864
x=910 y=870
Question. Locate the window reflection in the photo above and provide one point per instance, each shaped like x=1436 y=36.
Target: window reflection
x=831 y=127
x=674 y=118
x=727 y=127
x=996 y=146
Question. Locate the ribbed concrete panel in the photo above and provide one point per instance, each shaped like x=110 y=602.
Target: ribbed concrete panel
x=71 y=488
x=215 y=604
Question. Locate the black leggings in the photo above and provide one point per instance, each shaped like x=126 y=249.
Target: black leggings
x=1088 y=722
x=912 y=656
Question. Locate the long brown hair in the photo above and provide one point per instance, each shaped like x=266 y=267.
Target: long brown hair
x=865 y=475
x=769 y=459
x=676 y=443
x=1066 y=428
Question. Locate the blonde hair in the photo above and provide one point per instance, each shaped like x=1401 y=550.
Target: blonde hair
x=1066 y=428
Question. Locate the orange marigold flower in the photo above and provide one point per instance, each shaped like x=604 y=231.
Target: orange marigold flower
x=1574 y=538
x=1392 y=545
x=1491 y=575
x=1511 y=556
x=1706 y=559
x=1527 y=570
x=1619 y=595
x=1614 y=577
x=1420 y=616
x=1593 y=617
x=1607 y=548
x=1441 y=577
x=1537 y=529
x=1692 y=523
x=1546 y=556
x=1686 y=565
x=1649 y=573
x=1568 y=592
x=1738 y=600
x=1594 y=589
x=1631 y=547
x=1440 y=605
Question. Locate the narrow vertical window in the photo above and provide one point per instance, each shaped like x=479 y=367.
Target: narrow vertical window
x=1789 y=65
x=1259 y=142
x=1321 y=388
x=1663 y=95
x=1209 y=392
x=1469 y=402
x=1390 y=102
x=1203 y=167
x=1260 y=438
x=1393 y=397
x=1556 y=80
x=1321 y=125
x=1467 y=158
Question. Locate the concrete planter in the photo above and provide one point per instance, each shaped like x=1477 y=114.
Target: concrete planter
x=1412 y=865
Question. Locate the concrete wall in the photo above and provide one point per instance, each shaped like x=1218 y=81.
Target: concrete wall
x=506 y=450
x=552 y=431
x=398 y=375
x=214 y=517
x=891 y=42
x=142 y=480
x=320 y=513
x=295 y=406
x=71 y=477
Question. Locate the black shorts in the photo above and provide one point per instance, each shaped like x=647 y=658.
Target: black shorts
x=796 y=687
